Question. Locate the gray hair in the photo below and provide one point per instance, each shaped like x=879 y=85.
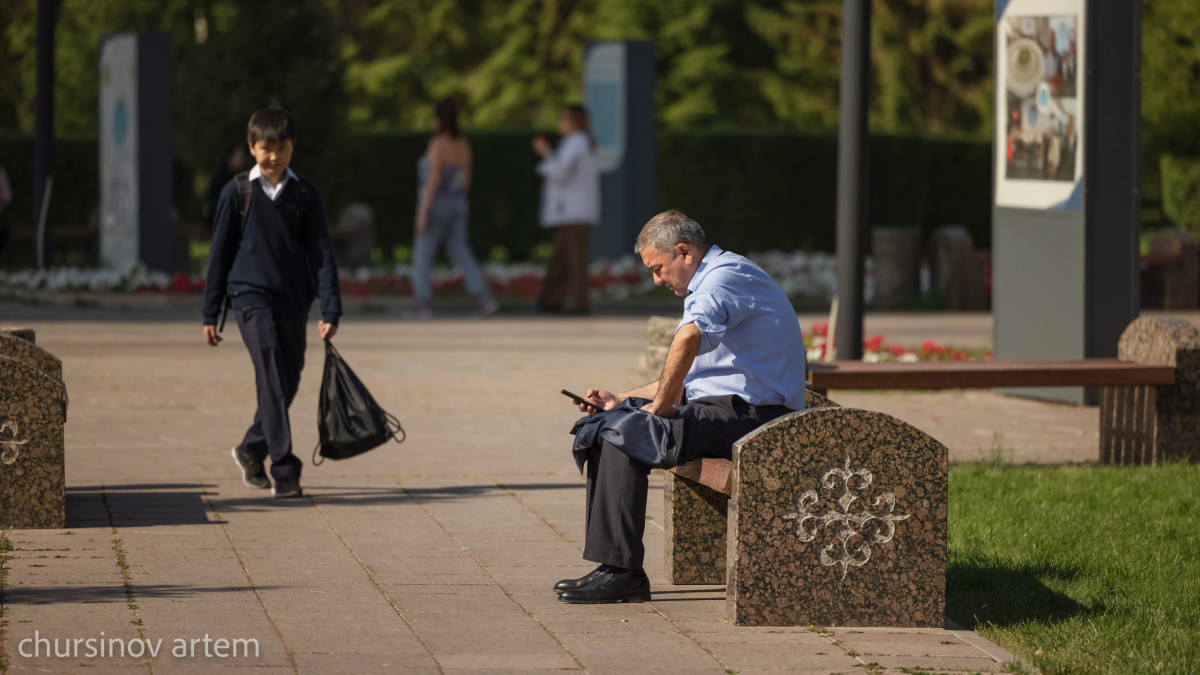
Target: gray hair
x=666 y=230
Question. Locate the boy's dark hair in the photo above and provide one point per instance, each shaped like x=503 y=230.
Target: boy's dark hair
x=446 y=112
x=272 y=125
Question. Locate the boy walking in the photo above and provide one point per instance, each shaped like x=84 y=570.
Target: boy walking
x=270 y=257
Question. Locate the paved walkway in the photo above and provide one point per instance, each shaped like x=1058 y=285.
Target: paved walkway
x=437 y=554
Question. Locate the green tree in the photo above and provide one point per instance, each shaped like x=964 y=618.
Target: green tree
x=1170 y=78
x=18 y=40
x=931 y=63
x=242 y=56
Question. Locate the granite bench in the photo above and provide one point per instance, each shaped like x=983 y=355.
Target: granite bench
x=830 y=516
x=33 y=410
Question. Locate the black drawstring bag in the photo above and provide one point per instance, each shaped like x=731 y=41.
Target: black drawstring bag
x=349 y=421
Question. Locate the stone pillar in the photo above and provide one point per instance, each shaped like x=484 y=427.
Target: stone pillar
x=838 y=517
x=32 y=414
x=955 y=269
x=1149 y=425
x=355 y=232
x=896 y=252
x=697 y=521
x=1172 y=274
x=660 y=330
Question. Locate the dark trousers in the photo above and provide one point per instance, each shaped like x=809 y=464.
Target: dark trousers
x=617 y=485
x=567 y=269
x=276 y=341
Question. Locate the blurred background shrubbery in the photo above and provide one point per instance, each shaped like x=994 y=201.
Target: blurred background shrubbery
x=746 y=104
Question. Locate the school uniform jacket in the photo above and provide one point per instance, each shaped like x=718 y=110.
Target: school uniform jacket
x=279 y=261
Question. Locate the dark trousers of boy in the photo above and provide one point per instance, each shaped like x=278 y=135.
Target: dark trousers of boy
x=276 y=341
x=567 y=269
x=617 y=485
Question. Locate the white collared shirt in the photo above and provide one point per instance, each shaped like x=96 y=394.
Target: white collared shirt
x=272 y=191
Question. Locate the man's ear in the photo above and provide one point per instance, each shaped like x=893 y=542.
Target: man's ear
x=682 y=249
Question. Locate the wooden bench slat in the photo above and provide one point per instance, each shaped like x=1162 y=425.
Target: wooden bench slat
x=986 y=374
x=710 y=472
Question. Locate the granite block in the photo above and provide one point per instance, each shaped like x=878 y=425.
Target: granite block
x=32 y=477
x=838 y=517
x=27 y=334
x=1149 y=425
x=695 y=532
x=660 y=330
x=696 y=524
x=24 y=350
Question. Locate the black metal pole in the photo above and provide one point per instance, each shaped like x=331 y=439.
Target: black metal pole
x=43 y=161
x=852 y=175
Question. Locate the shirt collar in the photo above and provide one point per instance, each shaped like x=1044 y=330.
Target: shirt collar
x=705 y=267
x=256 y=173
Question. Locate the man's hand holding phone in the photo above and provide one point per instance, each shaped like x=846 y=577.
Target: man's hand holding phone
x=595 y=401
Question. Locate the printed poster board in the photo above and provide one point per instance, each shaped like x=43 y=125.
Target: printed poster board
x=1040 y=66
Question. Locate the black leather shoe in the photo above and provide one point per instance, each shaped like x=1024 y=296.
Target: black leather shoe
x=611 y=587
x=253 y=473
x=572 y=584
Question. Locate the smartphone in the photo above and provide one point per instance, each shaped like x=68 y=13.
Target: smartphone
x=579 y=399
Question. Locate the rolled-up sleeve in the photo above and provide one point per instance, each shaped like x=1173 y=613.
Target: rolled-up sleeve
x=710 y=316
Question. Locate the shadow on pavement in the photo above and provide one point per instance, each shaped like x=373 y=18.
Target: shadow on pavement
x=47 y=595
x=147 y=505
x=137 y=505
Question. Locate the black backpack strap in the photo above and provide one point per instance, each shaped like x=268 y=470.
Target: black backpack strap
x=245 y=193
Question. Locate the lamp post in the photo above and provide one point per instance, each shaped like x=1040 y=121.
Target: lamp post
x=43 y=161
x=852 y=175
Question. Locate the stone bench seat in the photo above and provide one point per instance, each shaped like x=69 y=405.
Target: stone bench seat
x=829 y=515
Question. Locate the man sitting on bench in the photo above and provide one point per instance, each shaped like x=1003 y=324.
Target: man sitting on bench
x=737 y=358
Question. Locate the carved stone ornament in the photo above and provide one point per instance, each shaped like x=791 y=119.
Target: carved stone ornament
x=850 y=521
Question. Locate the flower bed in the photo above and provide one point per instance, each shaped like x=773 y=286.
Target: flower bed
x=807 y=278
x=876 y=349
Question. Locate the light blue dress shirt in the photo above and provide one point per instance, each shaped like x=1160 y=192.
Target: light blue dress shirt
x=750 y=343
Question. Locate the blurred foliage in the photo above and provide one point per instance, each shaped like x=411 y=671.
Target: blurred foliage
x=377 y=66
x=1170 y=96
x=1181 y=193
x=931 y=63
x=776 y=190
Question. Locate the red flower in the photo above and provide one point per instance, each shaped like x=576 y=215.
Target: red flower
x=959 y=355
x=872 y=343
x=927 y=346
x=897 y=350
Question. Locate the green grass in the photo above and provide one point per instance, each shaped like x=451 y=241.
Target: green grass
x=1079 y=569
x=5 y=556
